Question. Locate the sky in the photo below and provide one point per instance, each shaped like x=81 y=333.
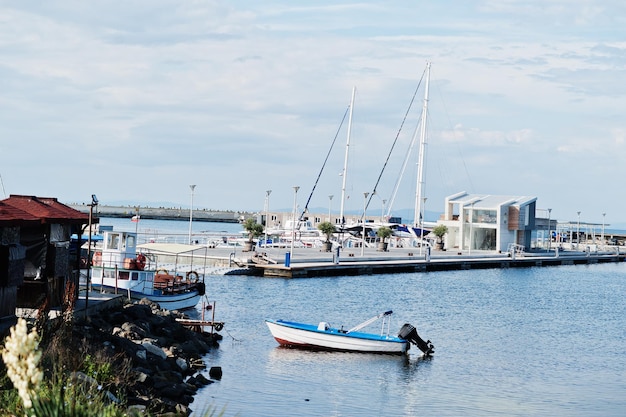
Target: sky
x=135 y=101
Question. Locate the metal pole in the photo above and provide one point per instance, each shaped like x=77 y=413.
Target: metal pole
x=382 y=213
x=422 y=224
x=293 y=222
x=267 y=208
x=94 y=202
x=191 y=212
x=603 y=217
x=330 y=201
x=578 y=232
x=549 y=233
x=364 y=208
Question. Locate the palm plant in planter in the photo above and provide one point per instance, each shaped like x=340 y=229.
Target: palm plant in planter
x=328 y=229
x=254 y=229
x=383 y=233
x=439 y=231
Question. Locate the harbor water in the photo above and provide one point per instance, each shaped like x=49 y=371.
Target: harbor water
x=544 y=341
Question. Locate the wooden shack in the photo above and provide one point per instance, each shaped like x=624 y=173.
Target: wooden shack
x=36 y=257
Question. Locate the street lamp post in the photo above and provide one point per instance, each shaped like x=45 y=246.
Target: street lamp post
x=382 y=213
x=364 y=208
x=192 y=187
x=549 y=233
x=293 y=222
x=267 y=208
x=94 y=203
x=578 y=232
x=603 y=217
x=330 y=201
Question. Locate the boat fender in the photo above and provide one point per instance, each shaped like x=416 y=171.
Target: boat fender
x=97 y=258
x=192 y=276
x=323 y=326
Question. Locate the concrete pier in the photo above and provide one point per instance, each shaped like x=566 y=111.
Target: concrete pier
x=310 y=262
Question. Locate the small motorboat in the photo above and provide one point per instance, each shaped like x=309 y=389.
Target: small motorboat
x=324 y=337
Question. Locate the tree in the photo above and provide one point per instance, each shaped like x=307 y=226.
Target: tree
x=253 y=228
x=440 y=230
x=327 y=228
x=384 y=232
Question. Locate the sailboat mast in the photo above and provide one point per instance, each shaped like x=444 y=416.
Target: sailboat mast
x=344 y=174
x=422 y=150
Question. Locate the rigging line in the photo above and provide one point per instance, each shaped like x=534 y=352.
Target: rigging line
x=324 y=164
x=451 y=127
x=393 y=144
x=3 y=190
x=407 y=156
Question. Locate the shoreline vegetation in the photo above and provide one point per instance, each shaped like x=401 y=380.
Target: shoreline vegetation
x=129 y=360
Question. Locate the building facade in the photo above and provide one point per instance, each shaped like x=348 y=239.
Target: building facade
x=481 y=222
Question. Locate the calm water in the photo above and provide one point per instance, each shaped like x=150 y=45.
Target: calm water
x=513 y=342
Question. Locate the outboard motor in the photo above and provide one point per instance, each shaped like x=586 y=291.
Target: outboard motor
x=409 y=332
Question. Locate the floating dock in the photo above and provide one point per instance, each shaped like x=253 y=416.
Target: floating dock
x=386 y=263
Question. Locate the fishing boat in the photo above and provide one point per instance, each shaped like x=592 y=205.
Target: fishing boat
x=324 y=337
x=117 y=266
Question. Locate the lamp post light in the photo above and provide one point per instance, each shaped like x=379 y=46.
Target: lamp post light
x=382 y=213
x=192 y=187
x=549 y=233
x=293 y=222
x=267 y=208
x=578 y=231
x=603 y=217
x=364 y=208
x=330 y=201
x=94 y=203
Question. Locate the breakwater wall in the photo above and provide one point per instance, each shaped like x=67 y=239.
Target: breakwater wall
x=164 y=213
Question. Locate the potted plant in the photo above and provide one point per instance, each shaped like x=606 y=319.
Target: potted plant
x=328 y=229
x=383 y=233
x=440 y=230
x=254 y=229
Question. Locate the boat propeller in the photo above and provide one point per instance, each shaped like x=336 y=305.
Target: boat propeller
x=409 y=332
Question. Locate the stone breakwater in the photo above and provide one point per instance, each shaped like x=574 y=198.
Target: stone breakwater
x=165 y=356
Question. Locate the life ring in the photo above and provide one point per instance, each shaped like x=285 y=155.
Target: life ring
x=161 y=271
x=192 y=276
x=97 y=258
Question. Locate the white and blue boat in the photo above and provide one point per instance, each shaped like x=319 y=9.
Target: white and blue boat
x=324 y=337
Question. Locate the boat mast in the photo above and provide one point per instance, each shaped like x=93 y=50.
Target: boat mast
x=345 y=162
x=422 y=150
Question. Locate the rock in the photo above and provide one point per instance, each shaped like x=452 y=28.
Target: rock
x=215 y=372
x=201 y=379
x=155 y=350
x=136 y=410
x=182 y=364
x=163 y=353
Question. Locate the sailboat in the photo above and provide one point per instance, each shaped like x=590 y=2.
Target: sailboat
x=418 y=229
